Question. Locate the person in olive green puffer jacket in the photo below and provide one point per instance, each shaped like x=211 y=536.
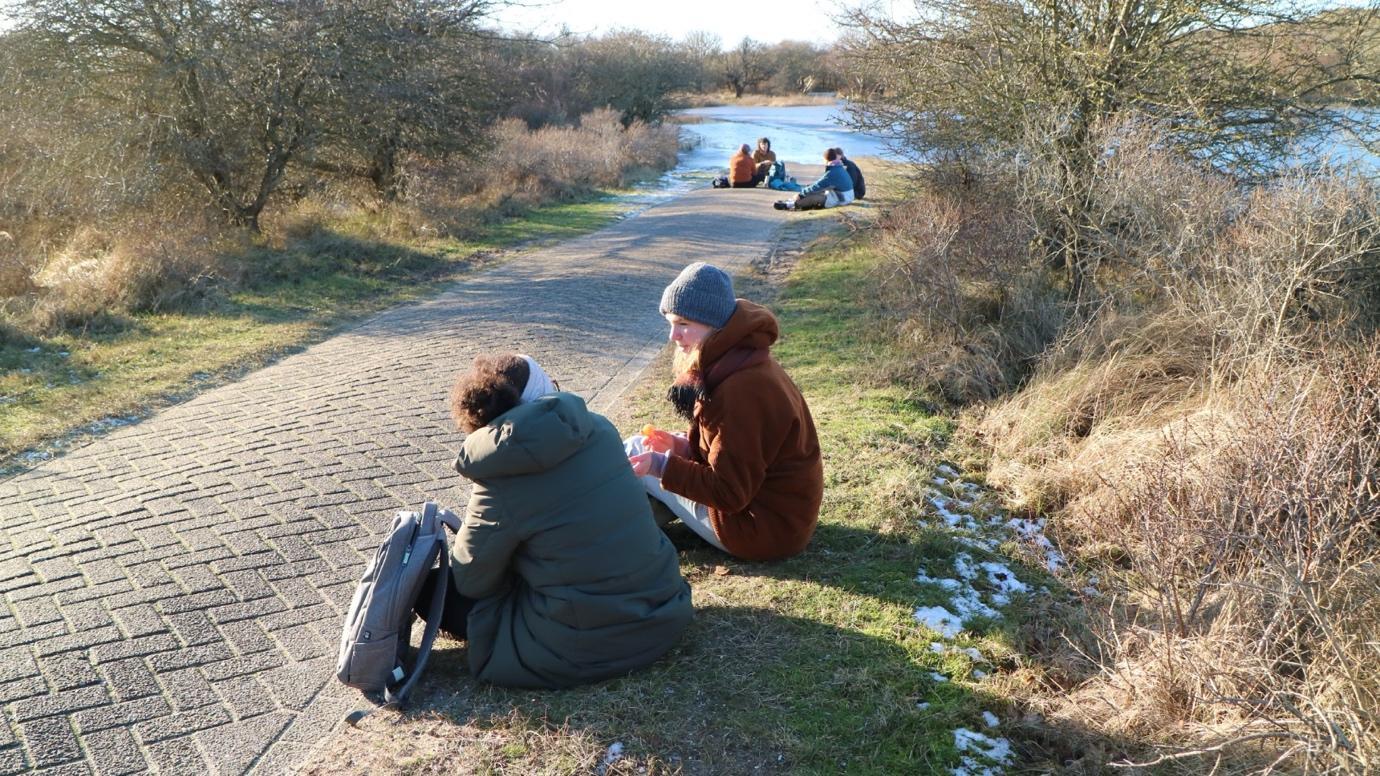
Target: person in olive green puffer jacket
x=566 y=575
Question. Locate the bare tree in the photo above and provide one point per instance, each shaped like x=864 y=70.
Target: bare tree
x=632 y=72
x=744 y=66
x=410 y=79
x=227 y=86
x=702 y=48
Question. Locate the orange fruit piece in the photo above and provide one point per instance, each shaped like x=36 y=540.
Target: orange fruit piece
x=648 y=429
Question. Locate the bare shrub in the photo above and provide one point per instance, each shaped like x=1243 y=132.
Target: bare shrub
x=968 y=305
x=97 y=272
x=1255 y=546
x=1206 y=439
x=523 y=167
x=1202 y=286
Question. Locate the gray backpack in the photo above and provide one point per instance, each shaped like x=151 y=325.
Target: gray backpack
x=376 y=639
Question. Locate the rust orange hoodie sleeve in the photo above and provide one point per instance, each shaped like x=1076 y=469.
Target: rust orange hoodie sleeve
x=737 y=458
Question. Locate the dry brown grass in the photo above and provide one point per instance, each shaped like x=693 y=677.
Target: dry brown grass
x=521 y=169
x=966 y=300
x=94 y=272
x=1204 y=440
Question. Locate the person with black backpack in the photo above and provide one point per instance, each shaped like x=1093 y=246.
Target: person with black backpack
x=559 y=574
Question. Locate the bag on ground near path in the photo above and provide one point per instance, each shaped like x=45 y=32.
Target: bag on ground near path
x=375 y=642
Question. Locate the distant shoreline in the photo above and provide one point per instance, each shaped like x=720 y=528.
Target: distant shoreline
x=716 y=100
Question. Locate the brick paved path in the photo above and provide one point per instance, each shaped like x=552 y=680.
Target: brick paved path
x=170 y=595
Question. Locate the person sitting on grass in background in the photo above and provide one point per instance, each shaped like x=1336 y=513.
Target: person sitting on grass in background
x=748 y=477
x=833 y=188
x=859 y=185
x=764 y=158
x=559 y=575
x=742 y=173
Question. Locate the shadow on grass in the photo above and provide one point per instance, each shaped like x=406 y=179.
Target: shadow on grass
x=746 y=690
x=1037 y=630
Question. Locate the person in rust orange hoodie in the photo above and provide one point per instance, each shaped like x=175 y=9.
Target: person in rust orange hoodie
x=742 y=171
x=748 y=477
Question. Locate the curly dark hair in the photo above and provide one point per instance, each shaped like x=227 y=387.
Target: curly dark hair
x=492 y=387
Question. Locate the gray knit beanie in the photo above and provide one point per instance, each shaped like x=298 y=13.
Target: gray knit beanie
x=702 y=293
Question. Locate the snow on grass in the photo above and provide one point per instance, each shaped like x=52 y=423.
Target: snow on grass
x=939 y=620
x=956 y=509
x=1004 y=582
x=989 y=719
x=611 y=756
x=982 y=755
x=1033 y=532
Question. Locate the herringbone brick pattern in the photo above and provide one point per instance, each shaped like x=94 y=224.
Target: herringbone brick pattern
x=171 y=595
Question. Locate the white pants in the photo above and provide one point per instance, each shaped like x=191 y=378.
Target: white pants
x=694 y=514
x=834 y=199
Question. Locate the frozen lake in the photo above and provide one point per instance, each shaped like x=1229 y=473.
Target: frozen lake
x=798 y=134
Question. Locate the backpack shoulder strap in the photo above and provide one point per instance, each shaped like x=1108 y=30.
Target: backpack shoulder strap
x=433 y=626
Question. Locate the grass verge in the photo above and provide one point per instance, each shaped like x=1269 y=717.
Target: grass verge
x=57 y=390
x=814 y=665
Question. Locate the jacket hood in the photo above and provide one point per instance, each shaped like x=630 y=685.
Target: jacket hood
x=529 y=438
x=750 y=326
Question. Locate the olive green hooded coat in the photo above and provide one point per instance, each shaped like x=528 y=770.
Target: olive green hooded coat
x=574 y=581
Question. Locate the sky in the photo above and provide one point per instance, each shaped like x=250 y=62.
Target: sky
x=767 y=21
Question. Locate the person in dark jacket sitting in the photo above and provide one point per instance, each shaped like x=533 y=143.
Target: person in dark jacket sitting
x=833 y=188
x=559 y=574
x=859 y=185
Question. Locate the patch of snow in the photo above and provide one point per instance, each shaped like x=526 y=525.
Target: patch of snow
x=973 y=654
x=34 y=350
x=946 y=470
x=922 y=705
x=611 y=756
x=979 y=674
x=938 y=677
x=1004 y=580
x=968 y=604
x=989 y=719
x=1033 y=532
x=944 y=582
x=951 y=518
x=977 y=543
x=982 y=755
x=939 y=620
x=105 y=424
x=937 y=648
x=963 y=565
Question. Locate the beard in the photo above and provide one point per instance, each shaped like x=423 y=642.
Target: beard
x=688 y=387
x=682 y=363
